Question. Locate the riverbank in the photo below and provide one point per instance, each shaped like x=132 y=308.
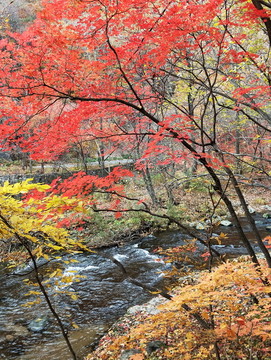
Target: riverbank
x=193 y=211
x=116 y=344
x=103 y=283
x=170 y=329
x=130 y=233
x=193 y=203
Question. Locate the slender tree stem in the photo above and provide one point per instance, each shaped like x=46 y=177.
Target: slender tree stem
x=41 y=286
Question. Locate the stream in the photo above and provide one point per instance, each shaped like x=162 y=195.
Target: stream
x=104 y=295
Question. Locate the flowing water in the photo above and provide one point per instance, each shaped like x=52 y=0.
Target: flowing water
x=30 y=333
x=104 y=295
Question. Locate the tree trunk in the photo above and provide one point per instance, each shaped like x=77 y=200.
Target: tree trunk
x=149 y=185
x=238 y=163
x=249 y=216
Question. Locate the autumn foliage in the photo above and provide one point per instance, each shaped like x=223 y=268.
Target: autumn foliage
x=100 y=60
x=177 y=84
x=37 y=222
x=231 y=299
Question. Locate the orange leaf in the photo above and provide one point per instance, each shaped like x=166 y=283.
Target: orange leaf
x=136 y=357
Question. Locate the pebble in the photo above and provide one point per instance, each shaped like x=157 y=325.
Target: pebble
x=226 y=223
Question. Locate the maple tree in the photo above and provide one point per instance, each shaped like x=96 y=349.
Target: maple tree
x=101 y=60
x=189 y=80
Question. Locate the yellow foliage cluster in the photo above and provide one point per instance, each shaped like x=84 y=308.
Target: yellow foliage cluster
x=35 y=219
x=234 y=299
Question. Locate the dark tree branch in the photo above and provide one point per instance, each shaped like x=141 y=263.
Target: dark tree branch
x=196 y=315
x=266 y=20
x=25 y=244
x=171 y=220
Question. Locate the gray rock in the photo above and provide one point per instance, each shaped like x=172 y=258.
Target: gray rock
x=154 y=345
x=150 y=307
x=226 y=223
x=268 y=228
x=214 y=220
x=147 y=240
x=126 y=354
x=39 y=324
x=149 y=237
x=200 y=226
x=251 y=210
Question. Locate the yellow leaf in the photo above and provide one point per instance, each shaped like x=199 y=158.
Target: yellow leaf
x=55 y=247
